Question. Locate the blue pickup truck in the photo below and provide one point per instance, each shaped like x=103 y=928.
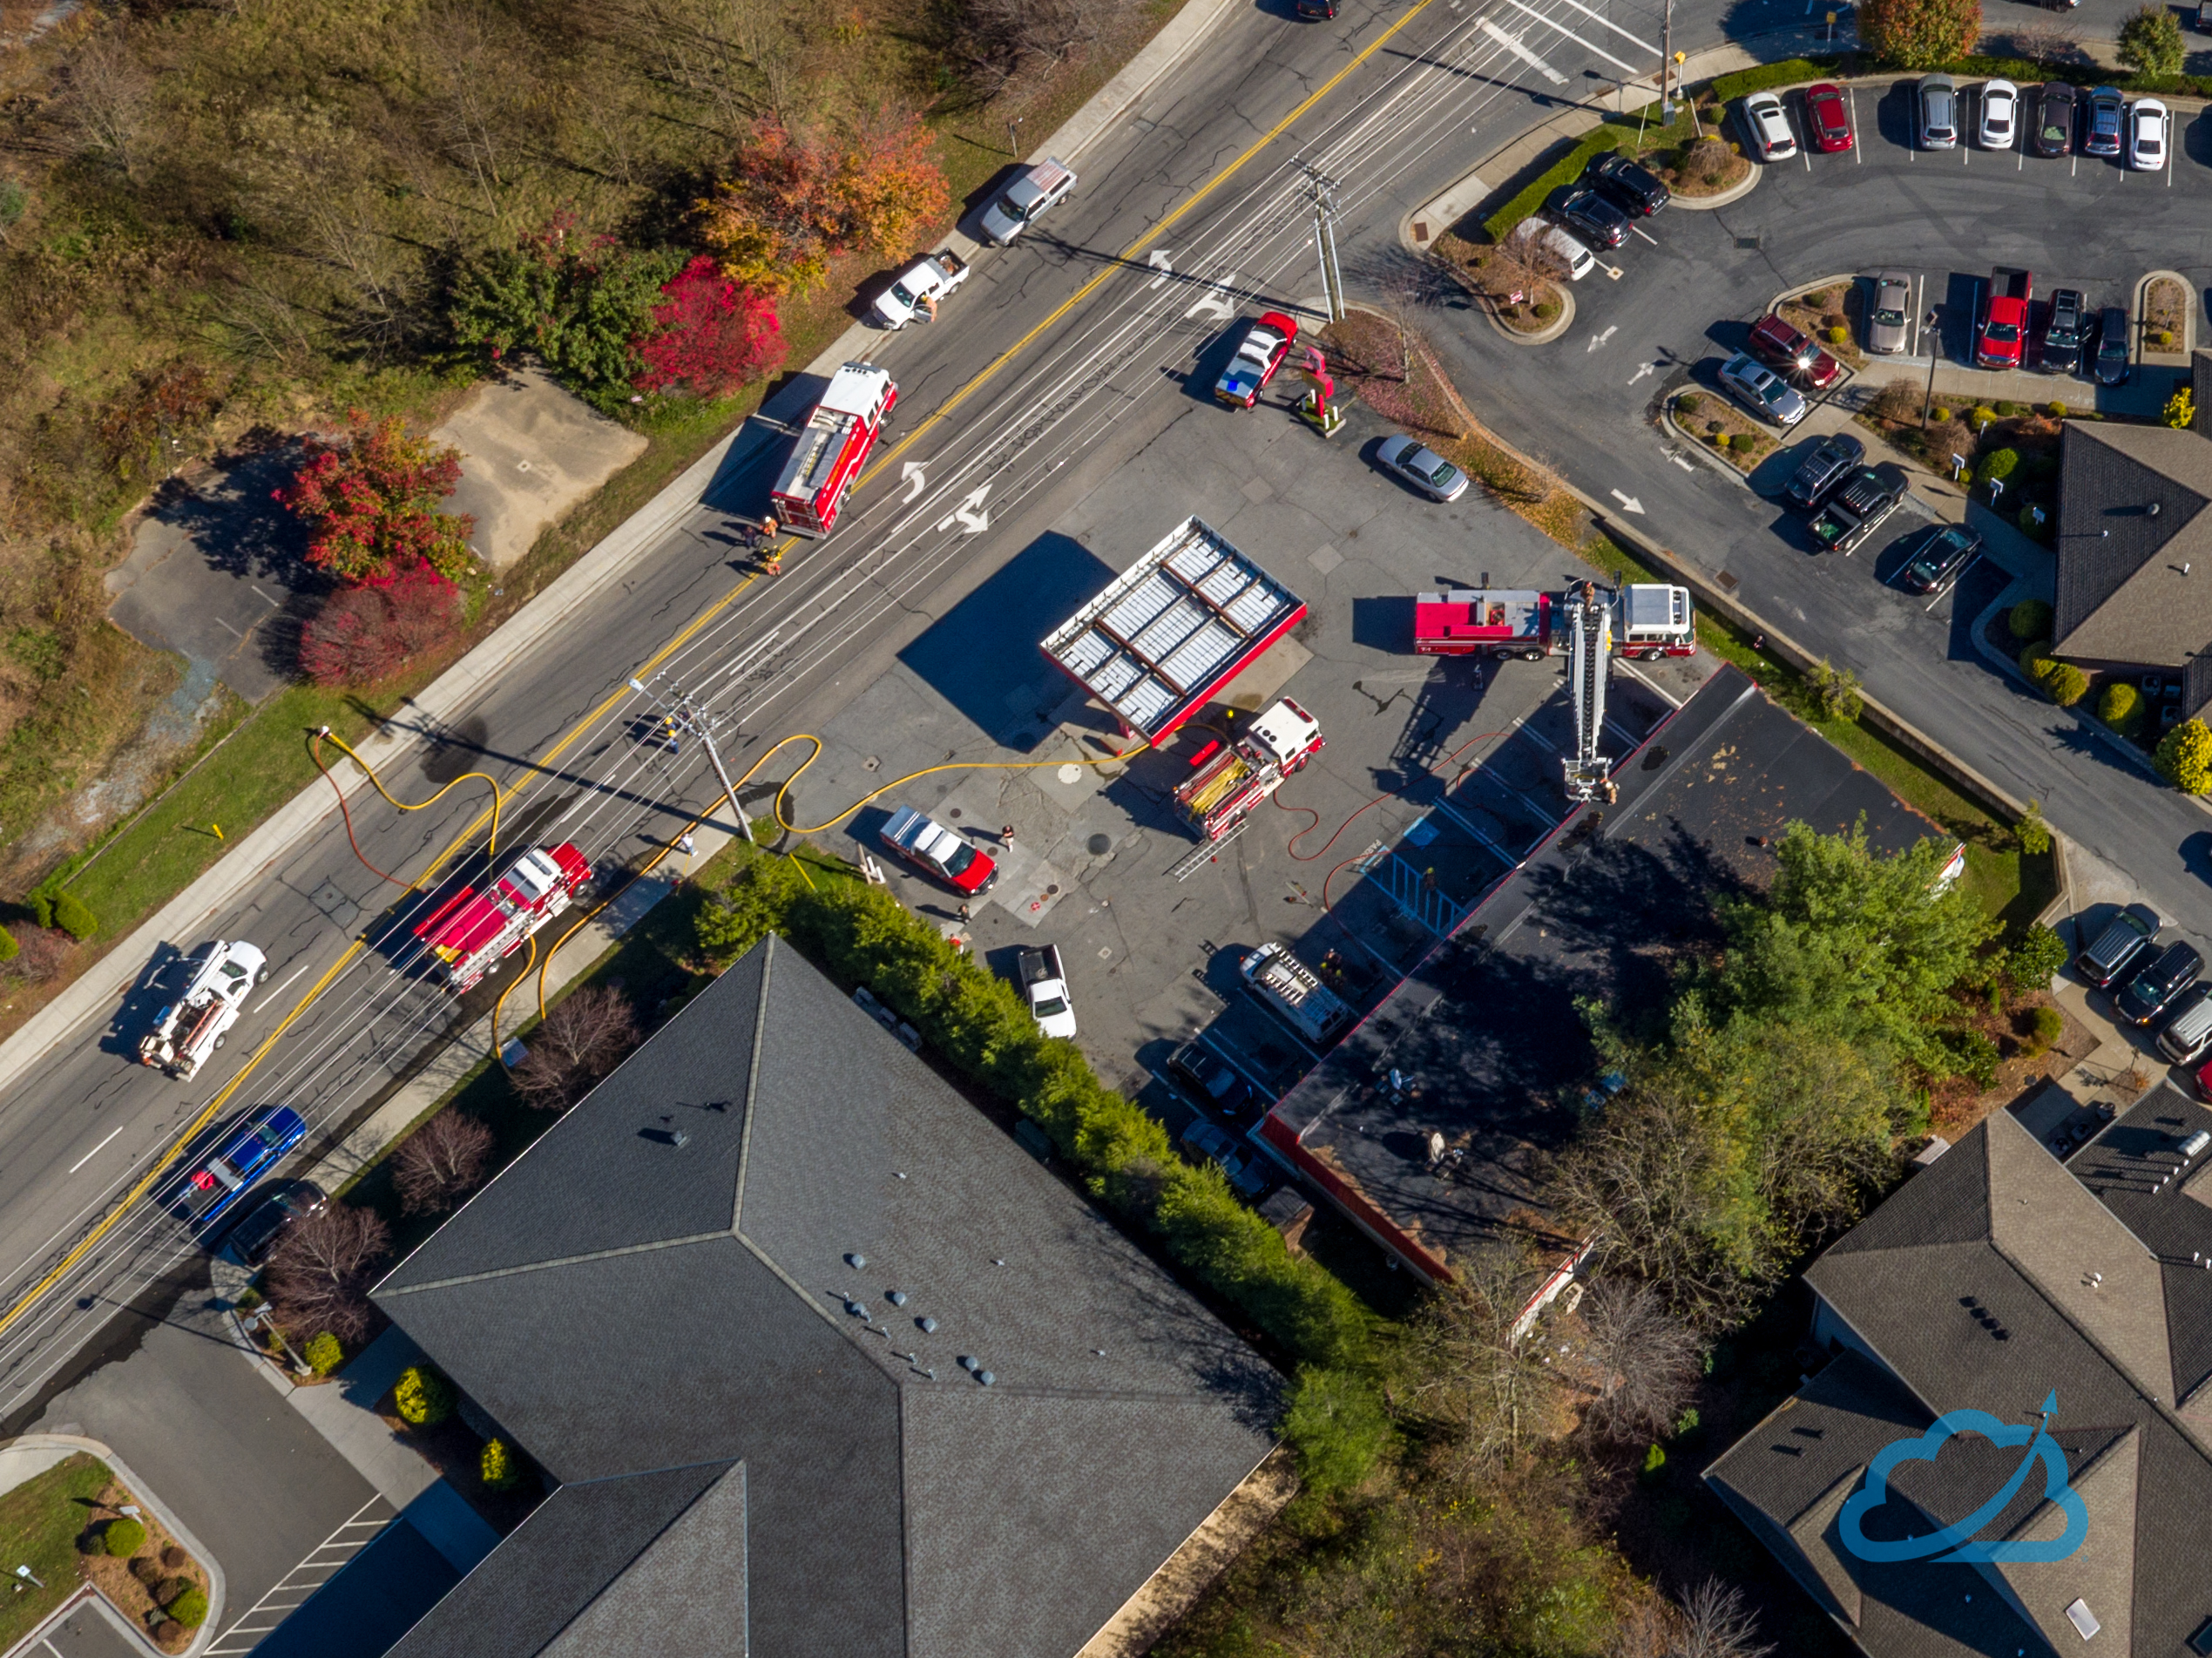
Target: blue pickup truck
x=220 y=1176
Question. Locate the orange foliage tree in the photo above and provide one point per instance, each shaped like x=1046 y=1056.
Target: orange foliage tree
x=796 y=200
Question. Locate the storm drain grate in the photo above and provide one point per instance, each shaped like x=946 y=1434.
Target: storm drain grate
x=1747 y=244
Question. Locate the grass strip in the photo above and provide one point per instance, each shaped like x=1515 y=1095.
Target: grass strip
x=40 y=1522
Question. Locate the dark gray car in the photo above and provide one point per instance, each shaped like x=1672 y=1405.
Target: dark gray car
x=2112 y=348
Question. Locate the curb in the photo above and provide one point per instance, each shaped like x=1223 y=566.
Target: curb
x=1703 y=451
x=1542 y=336
x=1850 y=279
x=217 y=1585
x=106 y=980
x=1727 y=198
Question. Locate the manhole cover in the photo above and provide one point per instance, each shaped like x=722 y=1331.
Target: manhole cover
x=1069 y=773
x=1050 y=890
x=955 y=812
x=1099 y=845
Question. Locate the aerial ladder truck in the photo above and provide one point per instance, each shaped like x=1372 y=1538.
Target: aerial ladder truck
x=1588 y=626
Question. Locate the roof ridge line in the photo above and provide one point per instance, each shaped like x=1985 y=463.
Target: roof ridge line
x=752 y=1086
x=557 y=1261
x=645 y=1473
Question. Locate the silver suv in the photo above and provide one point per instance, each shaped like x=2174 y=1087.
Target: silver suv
x=1763 y=391
x=1032 y=189
x=1935 y=113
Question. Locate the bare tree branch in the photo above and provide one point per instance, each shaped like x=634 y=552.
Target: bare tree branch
x=1717 y=1624
x=580 y=1041
x=1475 y=1379
x=441 y=1162
x=1644 y=1359
x=320 y=1272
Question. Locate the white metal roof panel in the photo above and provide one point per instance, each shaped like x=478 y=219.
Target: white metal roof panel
x=855 y=389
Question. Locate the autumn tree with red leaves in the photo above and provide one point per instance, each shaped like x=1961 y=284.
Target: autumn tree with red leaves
x=371 y=503
x=709 y=333
x=796 y=200
x=364 y=634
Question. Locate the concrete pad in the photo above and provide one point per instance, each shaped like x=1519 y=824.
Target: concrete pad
x=20 y=1463
x=343 y=1412
x=530 y=452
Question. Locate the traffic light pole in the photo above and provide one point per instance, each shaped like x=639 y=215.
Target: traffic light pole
x=688 y=717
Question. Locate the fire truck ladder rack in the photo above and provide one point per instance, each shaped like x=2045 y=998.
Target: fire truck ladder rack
x=1589 y=638
x=1414 y=891
x=1198 y=857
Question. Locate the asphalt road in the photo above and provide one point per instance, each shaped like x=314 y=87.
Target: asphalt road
x=1101 y=323
x=1589 y=403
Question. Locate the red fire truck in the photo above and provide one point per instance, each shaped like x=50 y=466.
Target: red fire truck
x=833 y=446
x=471 y=932
x=1227 y=780
x=1649 y=620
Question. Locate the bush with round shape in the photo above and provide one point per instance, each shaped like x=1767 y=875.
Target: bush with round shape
x=1998 y=466
x=74 y=917
x=1545 y=310
x=189 y=1608
x=2162 y=338
x=173 y=1557
x=2064 y=683
x=1839 y=336
x=2029 y=619
x=8 y=948
x=2184 y=757
x=2120 y=706
x=2056 y=409
x=2033 y=833
x=423 y=1398
x=324 y=1353
x=2047 y=1024
x=1689 y=402
x=1939 y=414
x=123 y=1538
x=499 y=1466
x=1743 y=443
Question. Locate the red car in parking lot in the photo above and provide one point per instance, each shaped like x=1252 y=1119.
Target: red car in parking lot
x=1828 y=117
x=1775 y=341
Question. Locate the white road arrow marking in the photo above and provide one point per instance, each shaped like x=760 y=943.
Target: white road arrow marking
x=1629 y=501
x=1597 y=340
x=910 y=474
x=1211 y=303
x=1514 y=46
x=1649 y=368
x=1680 y=462
x=1159 y=263
x=971 y=521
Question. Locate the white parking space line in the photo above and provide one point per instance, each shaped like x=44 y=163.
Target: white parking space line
x=1646 y=235
x=96 y=1150
x=1522 y=53
x=1858 y=140
x=1588 y=46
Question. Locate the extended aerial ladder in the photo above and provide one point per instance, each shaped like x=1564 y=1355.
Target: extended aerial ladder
x=1589 y=630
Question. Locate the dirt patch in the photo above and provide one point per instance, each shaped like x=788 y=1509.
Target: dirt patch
x=1832 y=315
x=2026 y=1063
x=2165 y=309
x=1713 y=422
x=1521 y=302
x=140 y=1587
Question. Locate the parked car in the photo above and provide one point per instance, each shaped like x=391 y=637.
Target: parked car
x=1631 y=186
x=1574 y=260
x=2101 y=134
x=219 y=1179
x=1589 y=215
x=1317 y=10
x=1267 y=341
x=1780 y=344
x=2065 y=332
x=2125 y=938
x=1034 y=188
x=1855 y=511
x=2113 y=351
x=1767 y=124
x=1832 y=461
x=2057 y=107
x=2147 y=135
x=1763 y=391
x=2152 y=991
x=1431 y=473
x=1044 y=987
x=1935 y=113
x=1240 y=1164
x=1940 y=558
x=1213 y=1082
x=938 y=852
x=1828 y=117
x=252 y=1238
x=2001 y=102
x=1889 y=326
x=2189 y=1032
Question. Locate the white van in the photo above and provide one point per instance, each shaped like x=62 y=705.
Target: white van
x=1577 y=259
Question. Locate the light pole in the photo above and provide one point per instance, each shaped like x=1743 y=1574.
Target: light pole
x=1935 y=351
x=1332 y=279
x=1013 y=138
x=684 y=714
x=1666 y=67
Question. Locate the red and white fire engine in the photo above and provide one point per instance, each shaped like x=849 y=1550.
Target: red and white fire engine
x=833 y=446
x=471 y=932
x=1227 y=780
x=1648 y=619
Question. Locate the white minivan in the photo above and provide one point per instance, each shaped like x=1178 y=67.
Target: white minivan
x=1570 y=249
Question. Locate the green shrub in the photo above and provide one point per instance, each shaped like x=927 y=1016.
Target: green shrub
x=1743 y=443
x=123 y=1538
x=2034 y=834
x=423 y=1398
x=1337 y=1425
x=9 y=947
x=1689 y=402
x=1687 y=1424
x=2033 y=958
x=2064 y=683
x=2009 y=410
x=1839 y=336
x=2151 y=42
x=1654 y=1468
x=2162 y=338
x=2056 y=409
x=1939 y=414
x=2029 y=619
x=1974 y=1055
x=499 y=1466
x=2120 y=706
x=1543 y=310
x=2047 y=1025
x=74 y=917
x=1765 y=77
x=189 y=1608
x=2184 y=757
x=41 y=907
x=323 y=1354
x=1983 y=415
x=1834 y=690
x=1996 y=467
x=1565 y=170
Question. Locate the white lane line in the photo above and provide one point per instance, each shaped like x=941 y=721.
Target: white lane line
x=1680 y=462
x=1523 y=53
x=96 y=1150
x=1646 y=235
x=1607 y=22
x=271 y=603
x=1587 y=46
x=288 y=977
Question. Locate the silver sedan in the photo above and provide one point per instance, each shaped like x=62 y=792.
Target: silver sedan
x=1887 y=320
x=1429 y=473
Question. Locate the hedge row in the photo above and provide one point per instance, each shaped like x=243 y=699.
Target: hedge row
x=1763 y=78
x=1565 y=170
x=865 y=936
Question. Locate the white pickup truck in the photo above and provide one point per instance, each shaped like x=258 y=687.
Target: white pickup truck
x=1045 y=982
x=915 y=292
x=192 y=1027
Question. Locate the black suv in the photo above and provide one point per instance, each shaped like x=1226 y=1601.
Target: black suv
x=1579 y=207
x=1822 y=469
x=1638 y=189
x=2065 y=333
x=2149 y=993
x=2112 y=348
x=1211 y=1082
x=1851 y=516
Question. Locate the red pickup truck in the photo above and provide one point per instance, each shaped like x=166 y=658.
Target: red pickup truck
x=2000 y=341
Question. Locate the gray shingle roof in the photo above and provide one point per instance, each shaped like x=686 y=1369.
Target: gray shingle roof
x=2122 y=595
x=1992 y=1279
x=622 y=1304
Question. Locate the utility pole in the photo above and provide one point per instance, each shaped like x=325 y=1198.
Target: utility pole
x=684 y=714
x=1332 y=279
x=1666 y=67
